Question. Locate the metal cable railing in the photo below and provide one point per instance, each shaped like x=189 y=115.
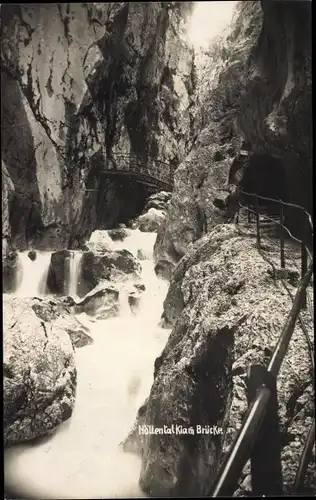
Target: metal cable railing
x=288 y=204
x=259 y=436
x=279 y=224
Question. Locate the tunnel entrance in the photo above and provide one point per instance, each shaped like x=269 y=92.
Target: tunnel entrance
x=265 y=176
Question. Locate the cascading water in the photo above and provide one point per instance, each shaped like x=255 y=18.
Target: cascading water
x=33 y=274
x=83 y=459
x=74 y=272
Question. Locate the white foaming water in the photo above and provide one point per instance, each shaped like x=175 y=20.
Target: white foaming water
x=33 y=274
x=83 y=459
x=74 y=272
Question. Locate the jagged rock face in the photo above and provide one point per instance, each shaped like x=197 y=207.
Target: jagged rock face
x=276 y=107
x=227 y=311
x=7 y=193
x=80 y=84
x=255 y=87
x=39 y=372
x=204 y=173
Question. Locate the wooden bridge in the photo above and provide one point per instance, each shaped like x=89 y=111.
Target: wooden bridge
x=152 y=173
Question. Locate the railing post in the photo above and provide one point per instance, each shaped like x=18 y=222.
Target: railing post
x=237 y=212
x=266 y=469
x=304 y=262
x=257 y=222
x=282 y=235
x=306 y=456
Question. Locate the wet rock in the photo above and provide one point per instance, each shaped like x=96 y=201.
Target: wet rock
x=99 y=242
x=134 y=297
x=150 y=221
x=134 y=301
x=61 y=312
x=68 y=301
x=130 y=224
x=59 y=271
x=10 y=269
x=164 y=269
x=7 y=198
x=118 y=234
x=110 y=266
x=159 y=201
x=39 y=372
x=84 y=247
x=32 y=255
x=161 y=195
x=102 y=302
x=143 y=255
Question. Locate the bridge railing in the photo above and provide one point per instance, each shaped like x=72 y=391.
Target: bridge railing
x=154 y=168
x=259 y=437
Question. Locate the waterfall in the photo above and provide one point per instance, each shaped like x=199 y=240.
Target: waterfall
x=74 y=272
x=82 y=459
x=33 y=274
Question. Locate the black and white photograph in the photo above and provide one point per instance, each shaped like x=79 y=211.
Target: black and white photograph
x=157 y=250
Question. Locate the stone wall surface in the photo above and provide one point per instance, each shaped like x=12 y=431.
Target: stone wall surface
x=82 y=83
x=254 y=87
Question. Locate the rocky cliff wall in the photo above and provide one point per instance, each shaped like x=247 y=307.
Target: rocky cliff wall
x=227 y=306
x=255 y=86
x=276 y=107
x=81 y=82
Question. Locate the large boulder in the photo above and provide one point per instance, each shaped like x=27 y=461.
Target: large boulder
x=39 y=372
x=150 y=221
x=118 y=234
x=107 y=266
x=102 y=302
x=159 y=201
x=227 y=313
x=61 y=313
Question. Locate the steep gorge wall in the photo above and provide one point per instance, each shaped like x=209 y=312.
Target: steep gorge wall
x=276 y=107
x=256 y=88
x=81 y=82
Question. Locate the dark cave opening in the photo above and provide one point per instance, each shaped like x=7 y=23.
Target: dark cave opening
x=265 y=176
